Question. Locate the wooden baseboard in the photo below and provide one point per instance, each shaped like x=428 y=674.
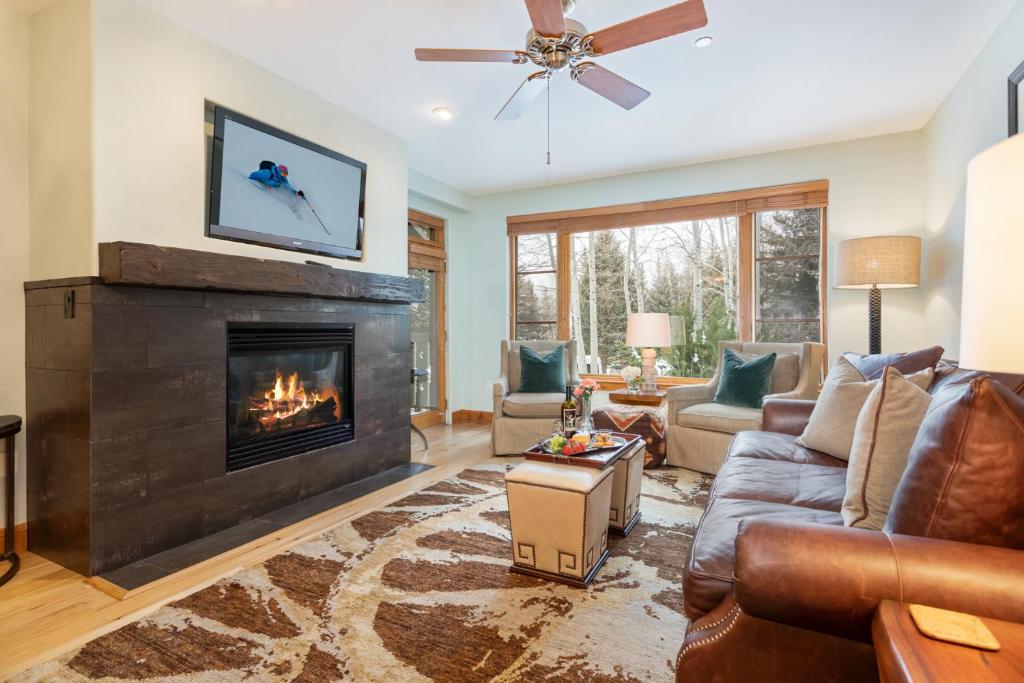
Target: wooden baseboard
x=482 y=417
x=20 y=538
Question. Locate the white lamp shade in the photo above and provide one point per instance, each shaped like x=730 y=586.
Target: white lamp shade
x=890 y=262
x=992 y=311
x=650 y=330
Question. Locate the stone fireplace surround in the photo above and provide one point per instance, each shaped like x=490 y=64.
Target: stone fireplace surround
x=126 y=392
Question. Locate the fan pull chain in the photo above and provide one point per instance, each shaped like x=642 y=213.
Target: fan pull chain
x=549 y=120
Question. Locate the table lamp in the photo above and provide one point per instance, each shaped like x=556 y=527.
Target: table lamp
x=649 y=331
x=992 y=313
x=877 y=263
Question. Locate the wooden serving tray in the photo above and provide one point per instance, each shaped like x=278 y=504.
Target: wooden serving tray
x=598 y=459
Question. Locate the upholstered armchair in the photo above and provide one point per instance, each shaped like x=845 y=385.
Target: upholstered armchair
x=700 y=430
x=520 y=419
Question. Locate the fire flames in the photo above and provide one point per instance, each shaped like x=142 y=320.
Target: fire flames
x=287 y=400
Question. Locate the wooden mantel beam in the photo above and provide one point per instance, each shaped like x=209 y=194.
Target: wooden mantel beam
x=148 y=265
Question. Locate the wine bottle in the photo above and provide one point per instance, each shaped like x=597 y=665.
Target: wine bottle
x=569 y=412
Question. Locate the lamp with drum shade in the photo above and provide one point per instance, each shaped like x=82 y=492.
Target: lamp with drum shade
x=877 y=263
x=649 y=331
x=992 y=313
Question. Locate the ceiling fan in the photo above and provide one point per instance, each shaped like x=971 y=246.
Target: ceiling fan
x=556 y=43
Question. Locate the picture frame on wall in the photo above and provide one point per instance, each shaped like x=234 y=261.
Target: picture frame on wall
x=1016 y=99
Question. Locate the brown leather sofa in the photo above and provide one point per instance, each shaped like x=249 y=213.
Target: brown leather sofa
x=779 y=590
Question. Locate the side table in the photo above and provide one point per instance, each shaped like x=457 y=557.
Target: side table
x=9 y=426
x=907 y=655
x=643 y=414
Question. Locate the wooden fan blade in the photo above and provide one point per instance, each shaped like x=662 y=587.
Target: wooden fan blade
x=546 y=16
x=610 y=85
x=523 y=97
x=670 y=21
x=439 y=55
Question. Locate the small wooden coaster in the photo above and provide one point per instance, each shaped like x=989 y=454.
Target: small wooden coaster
x=953 y=627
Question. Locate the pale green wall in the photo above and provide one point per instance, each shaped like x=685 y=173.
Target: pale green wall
x=972 y=118
x=877 y=188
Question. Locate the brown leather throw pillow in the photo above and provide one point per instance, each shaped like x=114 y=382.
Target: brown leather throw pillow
x=965 y=476
x=872 y=367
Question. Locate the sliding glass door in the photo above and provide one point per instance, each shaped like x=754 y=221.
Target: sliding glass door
x=428 y=263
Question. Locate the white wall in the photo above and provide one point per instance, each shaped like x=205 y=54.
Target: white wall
x=14 y=205
x=151 y=78
x=972 y=118
x=877 y=188
x=60 y=140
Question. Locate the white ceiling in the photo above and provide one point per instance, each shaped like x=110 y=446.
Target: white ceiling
x=781 y=74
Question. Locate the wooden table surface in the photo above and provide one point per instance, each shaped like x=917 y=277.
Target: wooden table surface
x=906 y=654
x=643 y=398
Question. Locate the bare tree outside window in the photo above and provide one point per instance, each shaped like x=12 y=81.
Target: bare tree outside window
x=687 y=270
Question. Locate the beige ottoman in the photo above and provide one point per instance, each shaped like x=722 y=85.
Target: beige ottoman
x=625 y=506
x=559 y=516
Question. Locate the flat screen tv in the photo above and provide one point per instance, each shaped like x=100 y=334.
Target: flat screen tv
x=272 y=188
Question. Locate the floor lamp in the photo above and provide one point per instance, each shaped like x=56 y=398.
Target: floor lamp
x=877 y=263
x=991 y=314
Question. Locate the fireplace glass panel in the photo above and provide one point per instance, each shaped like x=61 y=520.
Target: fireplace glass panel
x=289 y=391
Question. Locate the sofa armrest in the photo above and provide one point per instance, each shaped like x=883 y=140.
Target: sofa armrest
x=499 y=391
x=831 y=579
x=785 y=416
x=686 y=395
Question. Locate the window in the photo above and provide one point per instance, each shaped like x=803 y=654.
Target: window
x=536 y=287
x=788 y=262
x=739 y=265
x=686 y=269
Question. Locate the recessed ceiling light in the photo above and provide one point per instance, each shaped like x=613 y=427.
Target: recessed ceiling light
x=704 y=41
x=444 y=113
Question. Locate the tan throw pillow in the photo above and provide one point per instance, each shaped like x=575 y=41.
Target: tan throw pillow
x=831 y=426
x=886 y=428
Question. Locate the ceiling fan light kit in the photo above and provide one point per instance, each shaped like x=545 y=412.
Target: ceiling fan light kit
x=556 y=43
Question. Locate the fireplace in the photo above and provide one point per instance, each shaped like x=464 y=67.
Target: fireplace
x=289 y=390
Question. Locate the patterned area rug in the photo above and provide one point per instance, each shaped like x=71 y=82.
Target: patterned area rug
x=421 y=590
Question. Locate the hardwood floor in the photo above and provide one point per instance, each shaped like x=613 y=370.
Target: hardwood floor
x=47 y=610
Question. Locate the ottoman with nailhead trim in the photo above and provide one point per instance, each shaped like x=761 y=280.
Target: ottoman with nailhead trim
x=624 y=512
x=559 y=518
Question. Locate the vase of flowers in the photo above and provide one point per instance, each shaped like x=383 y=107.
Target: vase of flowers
x=631 y=376
x=583 y=392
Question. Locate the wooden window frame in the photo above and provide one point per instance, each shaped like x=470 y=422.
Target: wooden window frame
x=431 y=255
x=743 y=204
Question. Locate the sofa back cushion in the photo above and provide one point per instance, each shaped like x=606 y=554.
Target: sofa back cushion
x=873 y=366
x=965 y=476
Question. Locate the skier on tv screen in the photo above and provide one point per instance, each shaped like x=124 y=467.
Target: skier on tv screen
x=274 y=175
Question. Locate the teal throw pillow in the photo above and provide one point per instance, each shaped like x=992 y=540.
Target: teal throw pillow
x=541 y=374
x=744 y=384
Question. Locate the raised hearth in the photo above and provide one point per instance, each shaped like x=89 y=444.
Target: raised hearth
x=161 y=415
